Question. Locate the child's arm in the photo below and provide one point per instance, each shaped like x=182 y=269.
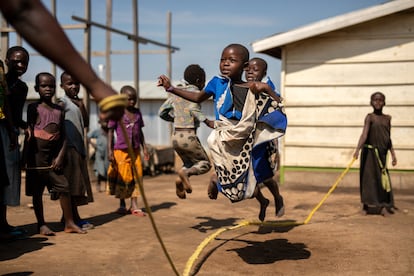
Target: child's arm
x=209 y=123
x=57 y=163
x=199 y=115
x=258 y=87
x=363 y=137
x=393 y=156
x=188 y=95
x=110 y=144
x=144 y=145
x=79 y=103
x=166 y=111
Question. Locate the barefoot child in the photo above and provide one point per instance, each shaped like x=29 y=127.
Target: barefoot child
x=245 y=121
x=121 y=180
x=187 y=116
x=375 y=142
x=45 y=147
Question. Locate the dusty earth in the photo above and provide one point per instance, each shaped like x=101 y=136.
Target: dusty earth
x=338 y=240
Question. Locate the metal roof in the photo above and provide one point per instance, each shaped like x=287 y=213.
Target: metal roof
x=273 y=45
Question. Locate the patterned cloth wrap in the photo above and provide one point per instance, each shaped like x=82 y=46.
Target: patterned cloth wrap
x=240 y=149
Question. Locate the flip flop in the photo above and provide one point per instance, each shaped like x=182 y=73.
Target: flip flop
x=85 y=225
x=137 y=213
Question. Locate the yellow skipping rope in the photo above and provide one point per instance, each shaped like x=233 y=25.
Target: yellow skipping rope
x=243 y=223
x=121 y=101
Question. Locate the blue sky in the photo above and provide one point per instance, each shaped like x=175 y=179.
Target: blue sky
x=201 y=29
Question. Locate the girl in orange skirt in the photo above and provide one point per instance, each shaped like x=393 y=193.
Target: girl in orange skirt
x=121 y=181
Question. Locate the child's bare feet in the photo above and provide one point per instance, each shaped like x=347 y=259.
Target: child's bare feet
x=185 y=180
x=212 y=190
x=263 y=207
x=179 y=188
x=280 y=207
x=73 y=228
x=45 y=231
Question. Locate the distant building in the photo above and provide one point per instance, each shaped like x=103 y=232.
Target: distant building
x=329 y=70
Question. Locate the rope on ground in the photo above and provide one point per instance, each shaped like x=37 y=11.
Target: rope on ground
x=204 y=243
x=144 y=198
x=121 y=101
x=330 y=190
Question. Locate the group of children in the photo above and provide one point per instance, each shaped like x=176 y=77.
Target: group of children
x=249 y=120
x=54 y=155
x=241 y=153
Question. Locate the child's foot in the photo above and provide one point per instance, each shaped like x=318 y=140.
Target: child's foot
x=263 y=207
x=212 y=190
x=73 y=228
x=385 y=212
x=45 y=231
x=280 y=207
x=137 y=213
x=179 y=188
x=185 y=181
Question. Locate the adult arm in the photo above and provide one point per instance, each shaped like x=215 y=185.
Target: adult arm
x=38 y=27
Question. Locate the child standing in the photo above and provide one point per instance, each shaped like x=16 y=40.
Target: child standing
x=75 y=169
x=242 y=113
x=17 y=61
x=98 y=138
x=121 y=180
x=187 y=116
x=375 y=142
x=45 y=146
x=6 y=128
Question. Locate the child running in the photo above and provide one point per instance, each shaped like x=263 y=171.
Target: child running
x=187 y=116
x=375 y=142
x=76 y=168
x=246 y=121
x=121 y=181
x=45 y=146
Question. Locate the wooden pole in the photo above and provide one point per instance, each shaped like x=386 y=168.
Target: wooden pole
x=136 y=48
x=108 y=51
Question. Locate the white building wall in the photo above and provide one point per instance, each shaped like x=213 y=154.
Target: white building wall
x=327 y=81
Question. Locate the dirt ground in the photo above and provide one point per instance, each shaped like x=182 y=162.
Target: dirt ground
x=338 y=240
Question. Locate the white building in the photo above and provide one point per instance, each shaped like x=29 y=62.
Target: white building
x=329 y=70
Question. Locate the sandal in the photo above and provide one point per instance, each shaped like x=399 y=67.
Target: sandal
x=85 y=225
x=138 y=213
